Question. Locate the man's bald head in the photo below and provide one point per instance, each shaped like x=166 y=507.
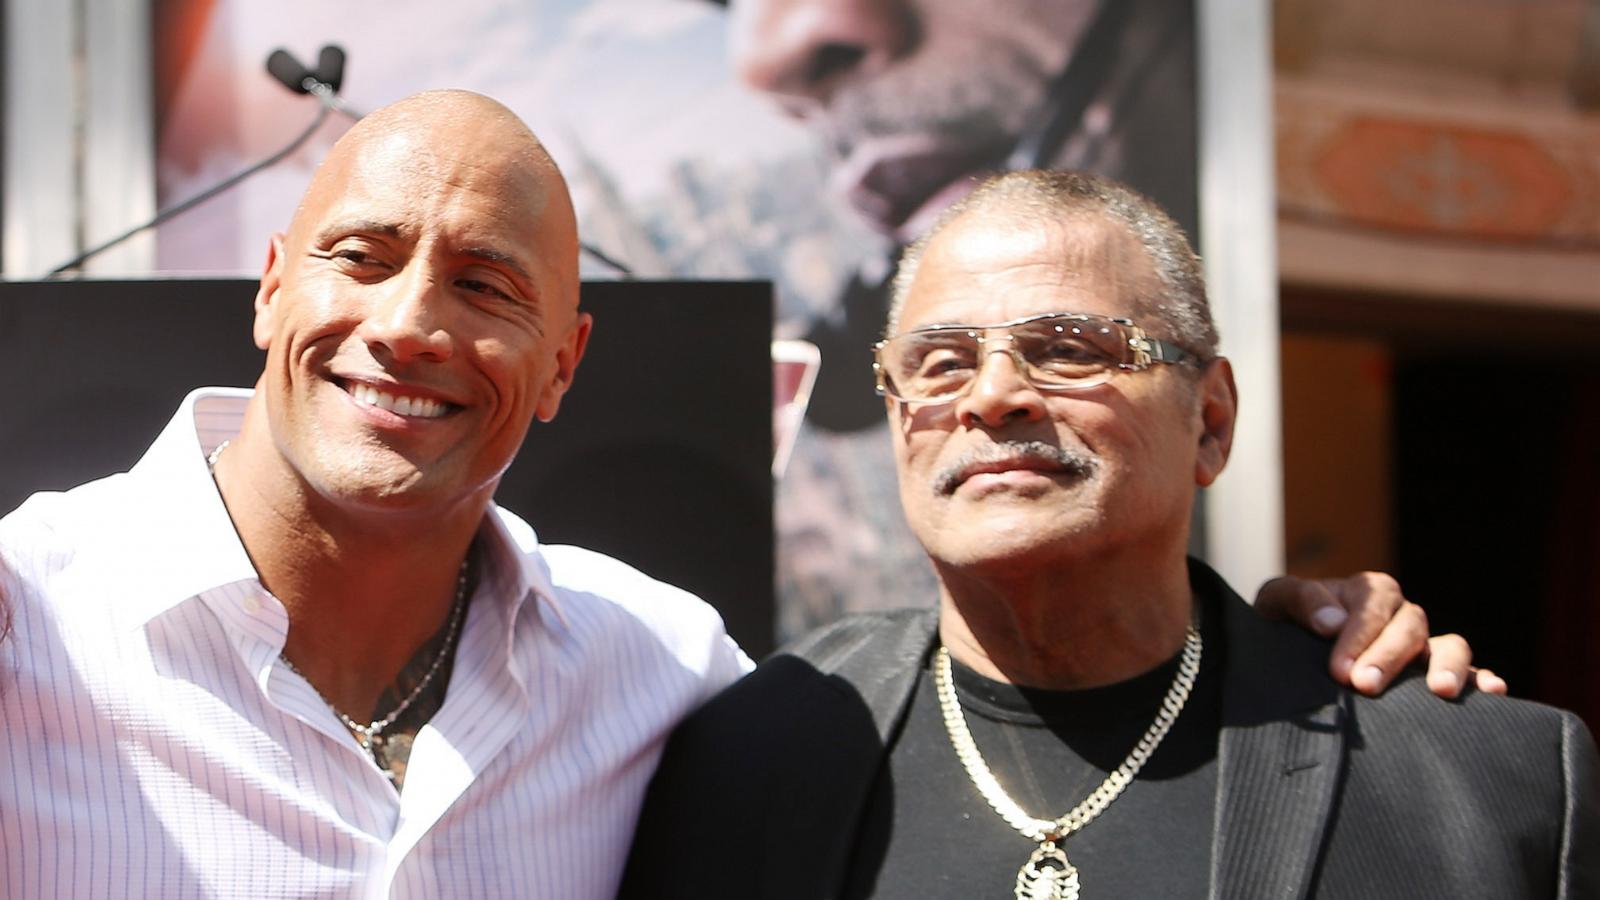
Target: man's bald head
x=449 y=135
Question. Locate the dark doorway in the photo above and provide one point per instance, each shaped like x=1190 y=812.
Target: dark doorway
x=1493 y=415
x=1495 y=500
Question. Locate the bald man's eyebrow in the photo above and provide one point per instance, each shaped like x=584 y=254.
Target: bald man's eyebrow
x=491 y=255
x=358 y=226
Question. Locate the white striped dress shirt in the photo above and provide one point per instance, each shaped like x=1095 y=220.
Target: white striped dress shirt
x=153 y=745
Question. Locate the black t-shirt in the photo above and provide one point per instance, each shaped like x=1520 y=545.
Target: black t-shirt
x=928 y=833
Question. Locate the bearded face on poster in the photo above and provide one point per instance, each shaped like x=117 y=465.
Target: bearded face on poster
x=916 y=96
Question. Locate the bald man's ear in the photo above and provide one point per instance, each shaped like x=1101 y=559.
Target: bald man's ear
x=267 y=293
x=568 y=355
x=1218 y=401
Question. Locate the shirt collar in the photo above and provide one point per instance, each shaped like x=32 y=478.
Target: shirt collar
x=511 y=553
x=181 y=541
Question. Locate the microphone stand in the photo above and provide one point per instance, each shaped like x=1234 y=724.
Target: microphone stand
x=286 y=69
x=327 y=102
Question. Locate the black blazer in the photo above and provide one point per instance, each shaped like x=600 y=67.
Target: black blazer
x=1321 y=792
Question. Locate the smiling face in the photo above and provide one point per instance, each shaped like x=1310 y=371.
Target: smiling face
x=422 y=309
x=1008 y=475
x=913 y=95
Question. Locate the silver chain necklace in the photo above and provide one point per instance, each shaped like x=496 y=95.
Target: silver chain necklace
x=1048 y=875
x=370 y=732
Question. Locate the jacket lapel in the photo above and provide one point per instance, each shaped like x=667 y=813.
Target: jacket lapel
x=877 y=662
x=875 y=666
x=1280 y=755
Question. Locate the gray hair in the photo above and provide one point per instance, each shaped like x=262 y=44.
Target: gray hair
x=1057 y=196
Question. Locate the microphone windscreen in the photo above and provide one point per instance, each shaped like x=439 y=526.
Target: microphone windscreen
x=330 y=66
x=288 y=70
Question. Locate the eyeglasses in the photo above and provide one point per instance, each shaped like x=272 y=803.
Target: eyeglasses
x=1052 y=352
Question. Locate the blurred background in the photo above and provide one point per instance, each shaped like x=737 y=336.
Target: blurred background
x=1398 y=203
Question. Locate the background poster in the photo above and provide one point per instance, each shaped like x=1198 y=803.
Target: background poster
x=793 y=140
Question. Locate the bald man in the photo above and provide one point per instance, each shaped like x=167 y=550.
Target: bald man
x=224 y=658
x=229 y=669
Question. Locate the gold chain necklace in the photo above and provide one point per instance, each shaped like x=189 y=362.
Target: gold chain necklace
x=1048 y=875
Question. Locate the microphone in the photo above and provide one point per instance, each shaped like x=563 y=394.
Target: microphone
x=330 y=66
x=295 y=76
x=323 y=82
x=290 y=73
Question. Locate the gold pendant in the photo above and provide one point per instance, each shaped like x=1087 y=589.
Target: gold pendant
x=1057 y=879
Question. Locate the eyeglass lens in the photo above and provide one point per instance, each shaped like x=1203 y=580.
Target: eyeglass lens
x=1060 y=351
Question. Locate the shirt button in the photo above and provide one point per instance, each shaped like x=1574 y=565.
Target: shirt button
x=251 y=604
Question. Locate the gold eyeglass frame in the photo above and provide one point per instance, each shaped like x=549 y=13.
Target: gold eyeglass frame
x=1144 y=351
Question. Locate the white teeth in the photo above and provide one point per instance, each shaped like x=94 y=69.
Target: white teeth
x=415 y=407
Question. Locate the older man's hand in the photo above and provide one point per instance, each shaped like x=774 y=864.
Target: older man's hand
x=1379 y=631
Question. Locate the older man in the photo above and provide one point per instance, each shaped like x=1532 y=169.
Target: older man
x=1086 y=709
x=237 y=688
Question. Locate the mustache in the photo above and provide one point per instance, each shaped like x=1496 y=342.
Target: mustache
x=1069 y=461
